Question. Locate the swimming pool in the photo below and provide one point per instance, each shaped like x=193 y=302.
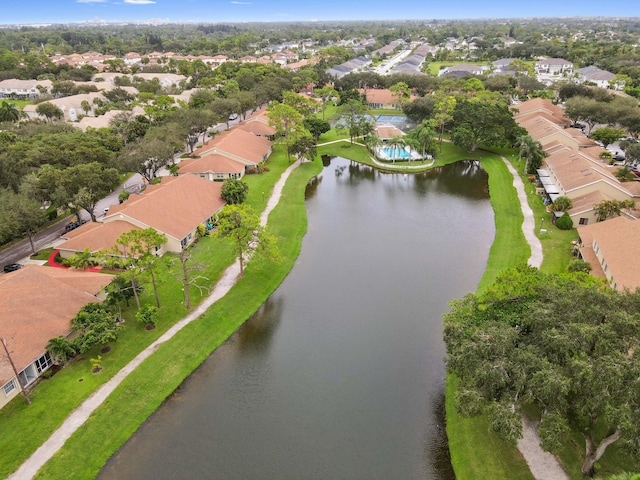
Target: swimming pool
x=394 y=153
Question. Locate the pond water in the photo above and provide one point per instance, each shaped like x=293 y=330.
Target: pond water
x=340 y=374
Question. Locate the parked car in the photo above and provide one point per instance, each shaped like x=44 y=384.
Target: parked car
x=73 y=224
x=233 y=116
x=12 y=267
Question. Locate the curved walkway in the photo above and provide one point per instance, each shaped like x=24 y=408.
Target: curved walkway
x=543 y=465
x=76 y=419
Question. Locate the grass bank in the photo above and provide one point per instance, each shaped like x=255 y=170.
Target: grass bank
x=145 y=389
x=26 y=427
x=476 y=453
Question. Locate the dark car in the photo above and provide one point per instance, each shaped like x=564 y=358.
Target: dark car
x=12 y=267
x=73 y=224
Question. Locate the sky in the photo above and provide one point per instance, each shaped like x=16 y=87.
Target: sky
x=180 y=11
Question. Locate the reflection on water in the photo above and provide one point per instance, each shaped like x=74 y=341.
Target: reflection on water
x=339 y=375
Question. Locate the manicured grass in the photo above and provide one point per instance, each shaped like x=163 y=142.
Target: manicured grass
x=20 y=103
x=43 y=254
x=27 y=427
x=145 y=389
x=477 y=453
x=434 y=67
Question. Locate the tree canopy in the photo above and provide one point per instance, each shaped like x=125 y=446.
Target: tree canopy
x=564 y=343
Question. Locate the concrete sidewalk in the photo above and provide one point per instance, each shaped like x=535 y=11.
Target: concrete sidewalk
x=76 y=419
x=543 y=465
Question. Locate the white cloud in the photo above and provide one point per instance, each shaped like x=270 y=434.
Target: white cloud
x=139 y=2
x=242 y=3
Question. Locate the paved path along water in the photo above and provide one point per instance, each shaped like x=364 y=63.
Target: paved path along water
x=80 y=415
x=543 y=465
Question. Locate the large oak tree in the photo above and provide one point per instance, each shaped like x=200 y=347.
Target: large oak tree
x=567 y=345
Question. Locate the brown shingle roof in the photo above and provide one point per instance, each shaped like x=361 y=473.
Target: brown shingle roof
x=175 y=207
x=37 y=304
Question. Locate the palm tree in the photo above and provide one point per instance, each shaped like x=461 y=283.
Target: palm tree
x=81 y=259
x=423 y=138
x=531 y=150
x=10 y=112
x=396 y=144
x=372 y=142
x=60 y=349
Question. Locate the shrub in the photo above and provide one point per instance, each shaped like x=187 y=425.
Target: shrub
x=578 y=265
x=562 y=204
x=147 y=314
x=606 y=154
x=123 y=195
x=564 y=222
x=234 y=191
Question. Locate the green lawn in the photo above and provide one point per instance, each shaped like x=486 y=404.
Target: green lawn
x=473 y=448
x=476 y=453
x=19 y=103
x=143 y=391
x=43 y=254
x=26 y=427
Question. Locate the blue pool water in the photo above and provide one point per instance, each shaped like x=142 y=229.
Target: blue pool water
x=395 y=153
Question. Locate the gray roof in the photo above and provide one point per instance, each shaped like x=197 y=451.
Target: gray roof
x=594 y=73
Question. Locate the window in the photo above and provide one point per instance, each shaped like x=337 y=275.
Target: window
x=9 y=387
x=43 y=363
x=28 y=375
x=584 y=221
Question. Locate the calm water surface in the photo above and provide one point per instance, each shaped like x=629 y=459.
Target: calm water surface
x=339 y=375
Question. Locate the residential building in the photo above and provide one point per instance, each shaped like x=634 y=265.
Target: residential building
x=239 y=145
x=174 y=207
x=609 y=248
x=596 y=76
x=461 y=70
x=16 y=88
x=214 y=167
x=381 y=98
x=356 y=64
x=553 y=66
x=37 y=304
x=71 y=106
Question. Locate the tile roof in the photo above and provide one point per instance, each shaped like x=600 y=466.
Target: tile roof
x=257 y=128
x=388 y=131
x=617 y=240
x=238 y=144
x=539 y=105
x=37 y=304
x=585 y=203
x=575 y=169
x=175 y=206
x=541 y=128
x=96 y=236
x=211 y=164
